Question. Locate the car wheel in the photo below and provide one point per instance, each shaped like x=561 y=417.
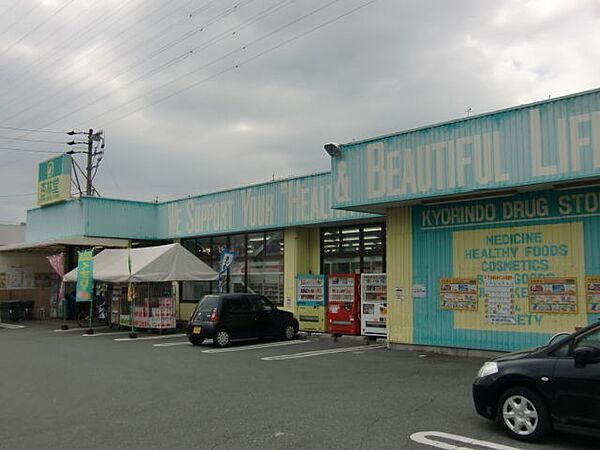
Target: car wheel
x=222 y=339
x=289 y=331
x=524 y=415
x=195 y=340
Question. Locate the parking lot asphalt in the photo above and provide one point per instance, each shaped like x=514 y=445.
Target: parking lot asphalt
x=68 y=391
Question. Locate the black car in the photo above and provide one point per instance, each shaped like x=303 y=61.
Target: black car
x=555 y=386
x=224 y=317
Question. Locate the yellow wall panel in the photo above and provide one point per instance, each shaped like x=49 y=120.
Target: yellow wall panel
x=301 y=255
x=399 y=274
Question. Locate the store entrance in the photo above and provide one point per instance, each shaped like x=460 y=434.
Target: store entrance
x=353 y=258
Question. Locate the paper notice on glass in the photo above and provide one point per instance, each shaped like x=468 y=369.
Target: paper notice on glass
x=499 y=298
x=399 y=293
x=419 y=291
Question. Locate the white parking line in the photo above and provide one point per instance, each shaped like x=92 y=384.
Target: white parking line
x=78 y=329
x=110 y=333
x=422 y=437
x=253 y=347
x=172 y=344
x=11 y=326
x=148 y=338
x=322 y=352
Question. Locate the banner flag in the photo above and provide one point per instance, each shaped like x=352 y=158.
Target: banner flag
x=57 y=263
x=85 y=276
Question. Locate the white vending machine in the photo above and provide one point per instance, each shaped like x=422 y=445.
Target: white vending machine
x=374 y=304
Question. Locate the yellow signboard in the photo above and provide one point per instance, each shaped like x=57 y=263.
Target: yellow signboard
x=54 y=180
x=523 y=253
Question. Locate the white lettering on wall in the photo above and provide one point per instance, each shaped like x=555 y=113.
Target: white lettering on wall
x=174 y=219
x=200 y=217
x=539 y=170
x=310 y=203
x=453 y=163
x=257 y=209
x=376 y=170
x=574 y=137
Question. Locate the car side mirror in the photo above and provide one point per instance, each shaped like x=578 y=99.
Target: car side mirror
x=585 y=355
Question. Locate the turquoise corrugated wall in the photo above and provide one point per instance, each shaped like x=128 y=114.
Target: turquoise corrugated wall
x=566 y=225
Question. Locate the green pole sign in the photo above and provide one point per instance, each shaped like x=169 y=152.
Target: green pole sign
x=54 y=180
x=85 y=276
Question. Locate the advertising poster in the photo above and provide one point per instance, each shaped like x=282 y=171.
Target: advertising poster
x=14 y=277
x=526 y=252
x=553 y=295
x=458 y=294
x=592 y=294
x=498 y=293
x=85 y=277
x=226 y=261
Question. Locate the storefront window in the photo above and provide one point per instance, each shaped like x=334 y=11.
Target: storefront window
x=373 y=243
x=257 y=268
x=265 y=265
x=237 y=271
x=331 y=241
x=353 y=249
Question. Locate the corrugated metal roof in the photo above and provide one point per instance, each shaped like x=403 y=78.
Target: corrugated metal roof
x=82 y=241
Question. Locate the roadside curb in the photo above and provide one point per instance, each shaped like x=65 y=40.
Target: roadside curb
x=365 y=340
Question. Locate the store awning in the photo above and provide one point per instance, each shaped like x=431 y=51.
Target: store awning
x=59 y=244
x=170 y=262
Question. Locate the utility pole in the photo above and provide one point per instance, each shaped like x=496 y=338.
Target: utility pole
x=94 y=153
x=88 y=167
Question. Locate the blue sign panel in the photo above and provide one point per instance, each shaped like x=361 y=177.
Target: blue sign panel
x=550 y=141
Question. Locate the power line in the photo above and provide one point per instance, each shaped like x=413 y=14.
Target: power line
x=32 y=130
x=18 y=195
x=231 y=32
x=222 y=72
x=30 y=140
x=46 y=68
x=28 y=150
x=240 y=49
x=246 y=61
x=214 y=61
x=116 y=57
x=21 y=17
x=37 y=27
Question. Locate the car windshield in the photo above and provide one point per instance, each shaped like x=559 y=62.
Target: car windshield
x=208 y=303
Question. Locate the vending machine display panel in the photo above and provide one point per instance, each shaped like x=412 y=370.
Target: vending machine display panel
x=374 y=304
x=311 y=302
x=343 y=303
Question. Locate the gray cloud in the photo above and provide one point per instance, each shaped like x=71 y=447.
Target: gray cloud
x=388 y=67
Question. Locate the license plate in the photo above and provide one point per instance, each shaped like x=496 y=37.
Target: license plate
x=196 y=330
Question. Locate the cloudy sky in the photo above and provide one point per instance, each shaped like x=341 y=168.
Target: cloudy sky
x=196 y=95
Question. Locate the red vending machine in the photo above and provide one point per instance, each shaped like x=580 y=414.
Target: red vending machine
x=343 y=312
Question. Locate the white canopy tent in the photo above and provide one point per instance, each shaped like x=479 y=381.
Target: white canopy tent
x=170 y=262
